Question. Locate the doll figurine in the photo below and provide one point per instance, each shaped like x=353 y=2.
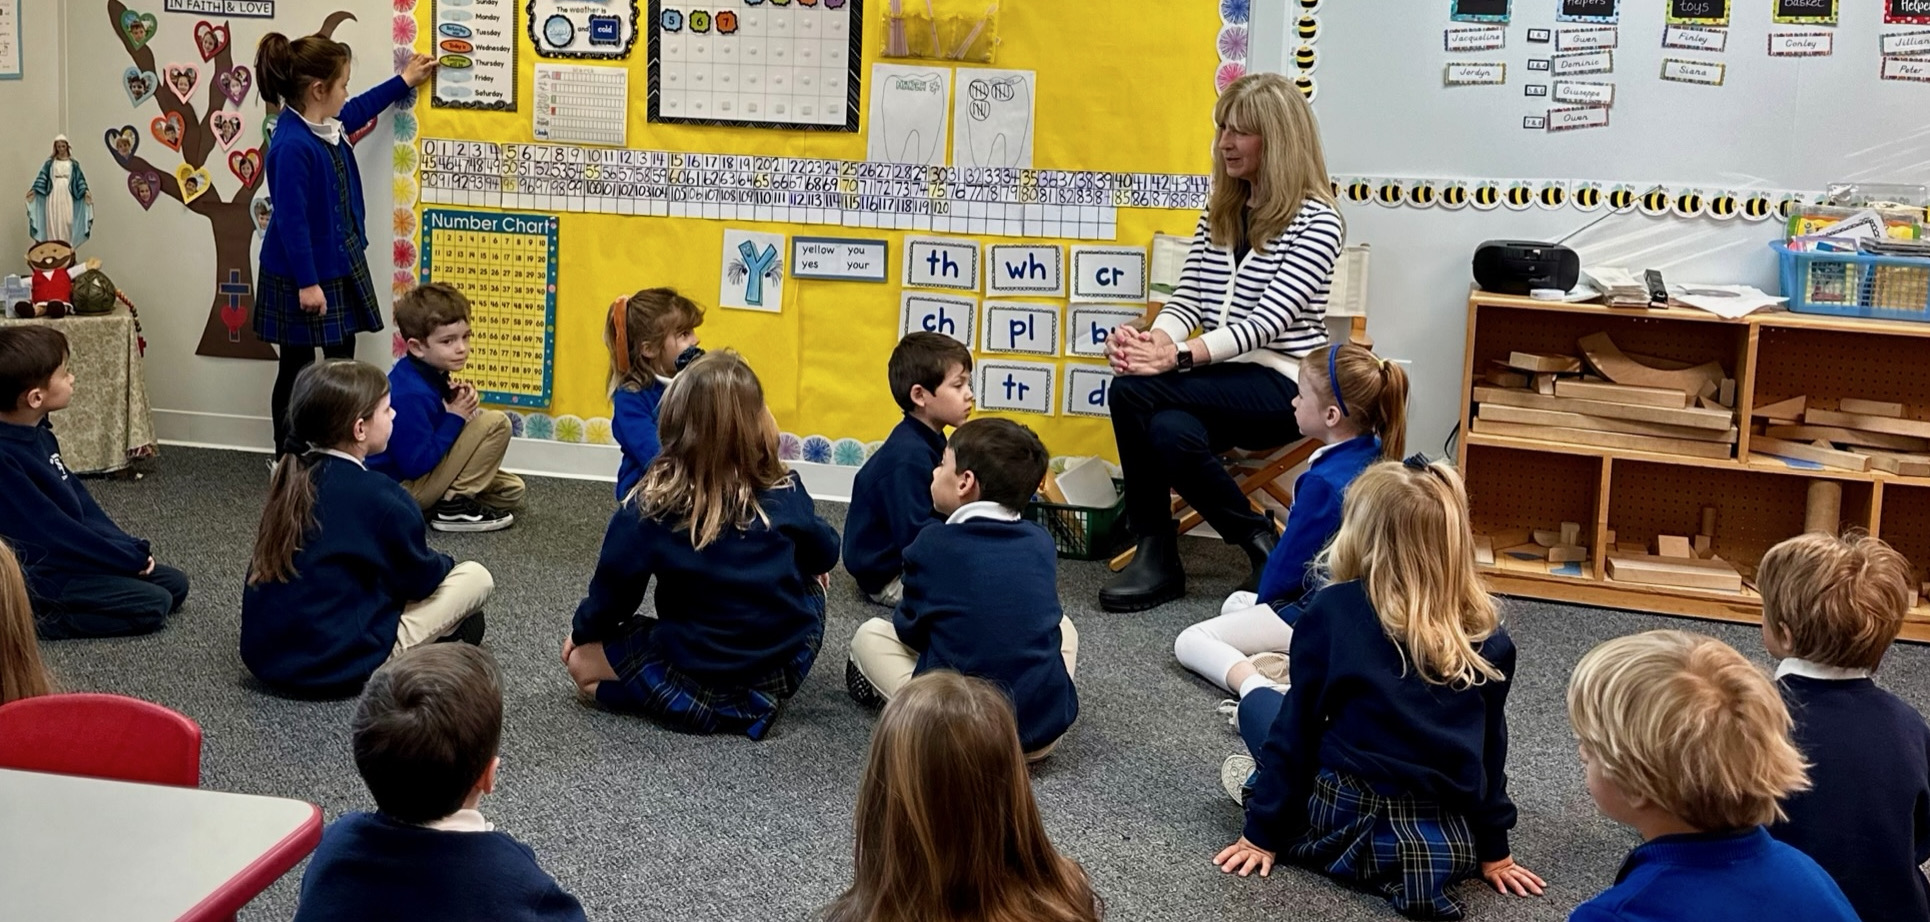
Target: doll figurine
x=59 y=207
x=54 y=271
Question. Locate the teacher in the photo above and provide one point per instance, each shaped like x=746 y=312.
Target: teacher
x=1218 y=367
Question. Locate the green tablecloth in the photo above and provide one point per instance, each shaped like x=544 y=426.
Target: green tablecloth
x=109 y=422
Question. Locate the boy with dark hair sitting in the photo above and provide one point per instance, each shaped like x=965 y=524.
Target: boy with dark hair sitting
x=981 y=592
x=931 y=378
x=446 y=450
x=426 y=733
x=86 y=577
x=1830 y=609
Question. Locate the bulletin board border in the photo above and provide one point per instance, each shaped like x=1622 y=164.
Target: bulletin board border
x=549 y=223
x=853 y=84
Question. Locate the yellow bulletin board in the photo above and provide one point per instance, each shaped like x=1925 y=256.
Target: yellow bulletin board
x=1121 y=88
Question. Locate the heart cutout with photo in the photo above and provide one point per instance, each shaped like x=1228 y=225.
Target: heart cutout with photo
x=138 y=28
x=122 y=142
x=227 y=128
x=182 y=79
x=210 y=39
x=145 y=186
x=245 y=164
x=261 y=210
x=167 y=129
x=194 y=181
x=139 y=84
x=235 y=83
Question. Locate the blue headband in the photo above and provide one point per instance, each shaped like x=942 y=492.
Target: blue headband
x=1333 y=380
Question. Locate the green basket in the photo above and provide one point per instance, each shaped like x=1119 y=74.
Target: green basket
x=1082 y=532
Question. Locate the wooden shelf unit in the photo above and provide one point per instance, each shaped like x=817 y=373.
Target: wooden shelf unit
x=1518 y=483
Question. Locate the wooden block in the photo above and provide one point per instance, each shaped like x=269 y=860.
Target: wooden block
x=1704 y=545
x=1726 y=393
x=1782 y=409
x=1571 y=533
x=1547 y=538
x=1537 y=361
x=1708 y=521
x=1050 y=487
x=1502 y=413
x=1784 y=422
x=1507 y=537
x=1708 y=403
x=1484 y=550
x=1610 y=537
x=1608 y=358
x=1692 y=417
x=1827 y=457
x=1506 y=379
x=1519 y=551
x=1801 y=433
x=1673 y=546
x=1900 y=464
x=1595 y=439
x=1545 y=385
x=1870 y=407
x=1708 y=390
x=1567 y=553
x=1911 y=427
x=1823 y=510
x=1631 y=547
x=1664 y=571
x=1623 y=393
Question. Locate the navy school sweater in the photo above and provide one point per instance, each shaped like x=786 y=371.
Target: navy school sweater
x=1313 y=518
x=982 y=598
x=370 y=868
x=1866 y=818
x=633 y=422
x=53 y=523
x=332 y=624
x=1743 y=876
x=1357 y=706
x=308 y=237
x=729 y=614
x=891 y=504
x=425 y=430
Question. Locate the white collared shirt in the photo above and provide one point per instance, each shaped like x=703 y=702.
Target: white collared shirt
x=983 y=509
x=462 y=821
x=1798 y=666
x=344 y=456
x=328 y=129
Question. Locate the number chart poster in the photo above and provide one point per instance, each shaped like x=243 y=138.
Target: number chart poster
x=506 y=264
x=1134 y=97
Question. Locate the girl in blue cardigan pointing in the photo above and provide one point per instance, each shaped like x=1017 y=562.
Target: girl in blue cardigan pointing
x=314 y=287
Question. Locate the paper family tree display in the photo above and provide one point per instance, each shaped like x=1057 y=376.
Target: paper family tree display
x=198 y=135
x=755 y=64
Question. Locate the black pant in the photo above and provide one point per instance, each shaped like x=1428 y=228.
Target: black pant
x=293 y=360
x=112 y=606
x=1172 y=428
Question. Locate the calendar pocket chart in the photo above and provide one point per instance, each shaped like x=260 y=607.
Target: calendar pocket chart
x=506 y=265
x=756 y=64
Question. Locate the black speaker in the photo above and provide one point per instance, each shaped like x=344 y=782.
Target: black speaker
x=1516 y=267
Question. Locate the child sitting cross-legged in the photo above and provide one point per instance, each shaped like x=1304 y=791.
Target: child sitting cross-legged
x=1686 y=741
x=1830 y=609
x=426 y=732
x=981 y=590
x=1384 y=764
x=739 y=556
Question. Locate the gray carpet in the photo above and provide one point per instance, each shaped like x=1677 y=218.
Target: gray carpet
x=642 y=823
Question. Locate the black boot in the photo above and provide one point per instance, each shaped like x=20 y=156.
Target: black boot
x=469 y=631
x=1257 y=549
x=1154 y=578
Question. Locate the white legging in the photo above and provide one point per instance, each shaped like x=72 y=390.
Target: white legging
x=1212 y=647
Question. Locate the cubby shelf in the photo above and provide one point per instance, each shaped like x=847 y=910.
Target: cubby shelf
x=1518 y=483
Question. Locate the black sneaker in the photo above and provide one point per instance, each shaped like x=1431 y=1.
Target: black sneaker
x=463 y=513
x=469 y=630
x=860 y=687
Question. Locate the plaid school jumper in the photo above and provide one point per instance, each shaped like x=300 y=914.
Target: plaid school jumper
x=1403 y=848
x=352 y=307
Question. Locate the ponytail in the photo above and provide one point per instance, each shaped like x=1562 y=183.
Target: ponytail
x=289 y=516
x=284 y=68
x=330 y=397
x=1373 y=392
x=22 y=675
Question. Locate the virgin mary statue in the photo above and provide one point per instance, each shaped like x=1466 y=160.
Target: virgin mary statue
x=59 y=207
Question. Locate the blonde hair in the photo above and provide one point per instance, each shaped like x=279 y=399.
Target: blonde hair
x=947 y=827
x=22 y=675
x=1840 y=600
x=1292 y=168
x=1689 y=725
x=1404 y=533
x=1373 y=392
x=636 y=329
x=719 y=450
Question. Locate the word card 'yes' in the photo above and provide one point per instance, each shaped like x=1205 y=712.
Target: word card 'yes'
x=941 y=262
x=932 y=313
x=1089 y=325
x=1108 y=274
x=1025 y=387
x=1088 y=390
x=1011 y=326
x=1024 y=270
x=840 y=259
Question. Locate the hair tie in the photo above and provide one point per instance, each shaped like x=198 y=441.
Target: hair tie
x=1334 y=379
x=1383 y=366
x=621 y=338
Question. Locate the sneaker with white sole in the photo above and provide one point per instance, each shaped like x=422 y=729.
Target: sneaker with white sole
x=1229 y=708
x=1236 y=776
x=463 y=513
x=1239 y=600
x=860 y=688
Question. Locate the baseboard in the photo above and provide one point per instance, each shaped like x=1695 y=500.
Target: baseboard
x=536 y=457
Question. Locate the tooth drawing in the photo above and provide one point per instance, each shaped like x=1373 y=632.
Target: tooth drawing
x=994 y=120
x=908 y=114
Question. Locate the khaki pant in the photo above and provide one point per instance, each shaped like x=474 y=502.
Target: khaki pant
x=888 y=664
x=473 y=467
x=461 y=594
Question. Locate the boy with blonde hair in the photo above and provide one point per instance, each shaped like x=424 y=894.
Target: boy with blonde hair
x=1830 y=608
x=1686 y=741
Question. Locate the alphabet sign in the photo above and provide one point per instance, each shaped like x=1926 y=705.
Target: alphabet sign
x=1108 y=274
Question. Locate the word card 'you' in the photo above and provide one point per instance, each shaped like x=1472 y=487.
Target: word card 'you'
x=941 y=262
x=1109 y=274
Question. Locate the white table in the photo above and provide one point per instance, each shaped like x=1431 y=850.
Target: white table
x=84 y=848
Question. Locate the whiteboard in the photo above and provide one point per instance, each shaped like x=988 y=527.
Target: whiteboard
x=1777 y=123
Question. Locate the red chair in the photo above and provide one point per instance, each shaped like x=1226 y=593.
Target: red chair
x=101 y=736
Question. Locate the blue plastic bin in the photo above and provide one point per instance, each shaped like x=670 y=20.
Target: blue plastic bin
x=1856 y=284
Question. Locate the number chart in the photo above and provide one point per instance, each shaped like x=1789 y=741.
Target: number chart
x=506 y=265
x=753 y=64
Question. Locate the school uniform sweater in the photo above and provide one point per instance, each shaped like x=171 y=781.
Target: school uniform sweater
x=1313 y=519
x=727 y=615
x=331 y=625
x=371 y=868
x=1356 y=706
x=634 y=425
x=425 y=430
x=891 y=504
x=1267 y=307
x=53 y=523
x=1866 y=817
x=982 y=598
x=307 y=238
x=1741 y=876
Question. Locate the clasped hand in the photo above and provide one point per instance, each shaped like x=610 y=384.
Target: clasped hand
x=1140 y=352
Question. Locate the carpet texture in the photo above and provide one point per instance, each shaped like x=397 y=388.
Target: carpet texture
x=642 y=823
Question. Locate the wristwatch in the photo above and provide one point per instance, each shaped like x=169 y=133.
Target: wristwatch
x=1183 y=359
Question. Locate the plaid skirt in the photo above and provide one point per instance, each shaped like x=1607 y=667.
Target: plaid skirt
x=352 y=309
x=1405 y=849
x=652 y=686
